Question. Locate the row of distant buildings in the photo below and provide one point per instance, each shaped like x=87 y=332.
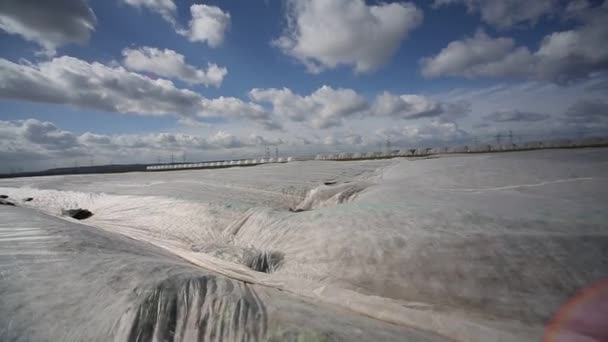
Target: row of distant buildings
x=414 y=152
x=217 y=164
x=484 y=148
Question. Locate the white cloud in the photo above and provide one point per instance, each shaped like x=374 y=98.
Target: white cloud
x=516 y=116
x=562 y=57
x=350 y=141
x=324 y=108
x=51 y=24
x=34 y=141
x=418 y=106
x=38 y=140
x=534 y=108
x=170 y=64
x=225 y=140
x=71 y=81
x=258 y=140
x=209 y=24
x=576 y=53
x=166 y=8
x=587 y=111
x=504 y=14
x=432 y=132
x=68 y=80
x=406 y=106
x=38 y=144
x=326 y=34
x=235 y=108
x=480 y=56
x=327 y=107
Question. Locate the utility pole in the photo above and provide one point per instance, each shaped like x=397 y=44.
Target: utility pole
x=266 y=152
x=276 y=152
x=498 y=136
x=511 y=137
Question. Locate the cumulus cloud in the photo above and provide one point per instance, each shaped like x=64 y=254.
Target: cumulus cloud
x=353 y=139
x=516 y=116
x=48 y=135
x=258 y=140
x=432 y=132
x=43 y=134
x=562 y=57
x=417 y=107
x=326 y=34
x=170 y=64
x=577 y=53
x=71 y=81
x=166 y=8
x=209 y=24
x=235 y=108
x=480 y=56
x=51 y=24
x=326 y=107
x=34 y=141
x=225 y=140
x=504 y=14
x=68 y=80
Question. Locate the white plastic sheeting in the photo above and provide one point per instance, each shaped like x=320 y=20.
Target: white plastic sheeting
x=63 y=281
x=470 y=248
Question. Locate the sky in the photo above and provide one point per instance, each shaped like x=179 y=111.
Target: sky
x=87 y=82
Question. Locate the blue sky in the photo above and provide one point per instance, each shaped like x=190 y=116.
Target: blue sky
x=132 y=80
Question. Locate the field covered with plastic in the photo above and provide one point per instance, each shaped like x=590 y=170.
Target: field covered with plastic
x=483 y=247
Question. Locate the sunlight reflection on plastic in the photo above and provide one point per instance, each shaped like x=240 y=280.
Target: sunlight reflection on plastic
x=584 y=318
